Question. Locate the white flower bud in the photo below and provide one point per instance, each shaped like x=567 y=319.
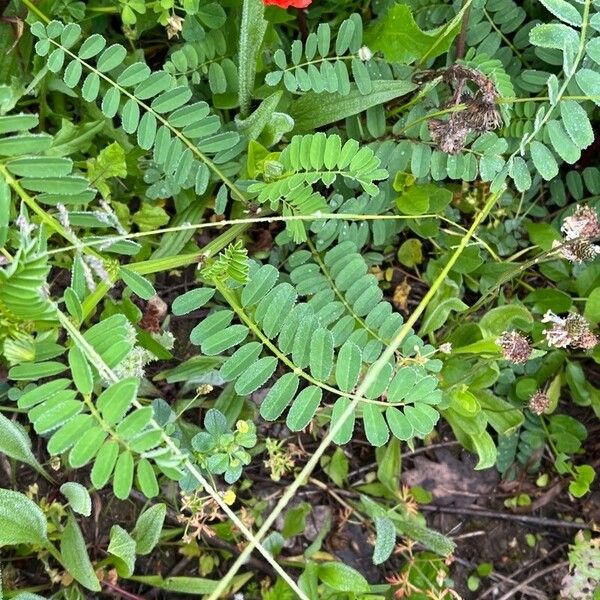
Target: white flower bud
x=365 y=54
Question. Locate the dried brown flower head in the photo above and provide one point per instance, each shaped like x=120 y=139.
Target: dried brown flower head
x=482 y=116
x=515 y=347
x=155 y=312
x=479 y=115
x=449 y=136
x=538 y=403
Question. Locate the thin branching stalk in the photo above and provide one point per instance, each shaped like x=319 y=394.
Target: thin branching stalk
x=237 y=228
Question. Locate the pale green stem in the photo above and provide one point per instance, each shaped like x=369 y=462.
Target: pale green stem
x=34 y=9
x=372 y=374
x=151 y=266
x=98 y=362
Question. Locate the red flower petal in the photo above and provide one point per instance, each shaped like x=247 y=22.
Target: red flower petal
x=288 y=3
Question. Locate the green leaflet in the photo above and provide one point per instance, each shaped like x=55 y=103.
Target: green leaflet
x=240 y=360
x=577 y=123
x=138 y=284
x=65 y=437
x=344 y=435
x=17 y=122
x=146 y=477
x=589 y=82
x=486 y=450
x=348 y=366
x=261 y=283
x=256 y=375
x=192 y=300
x=41 y=166
x=196 y=586
x=376 y=428
x=321 y=354
x=564 y=11
x=543 y=160
x=210 y=326
x=85 y=448
x=279 y=396
x=114 y=402
x=123 y=476
x=135 y=422
x=80 y=371
x=385 y=540
x=303 y=408
x=104 y=463
x=27 y=143
x=122 y=549
x=342 y=578
x=225 y=339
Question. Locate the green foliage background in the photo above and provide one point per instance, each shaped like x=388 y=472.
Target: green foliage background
x=282 y=169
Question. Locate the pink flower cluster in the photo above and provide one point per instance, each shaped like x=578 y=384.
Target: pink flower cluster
x=572 y=330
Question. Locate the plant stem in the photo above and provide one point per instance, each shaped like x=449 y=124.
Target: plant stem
x=462 y=36
x=99 y=363
x=35 y=10
x=372 y=374
x=238 y=227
